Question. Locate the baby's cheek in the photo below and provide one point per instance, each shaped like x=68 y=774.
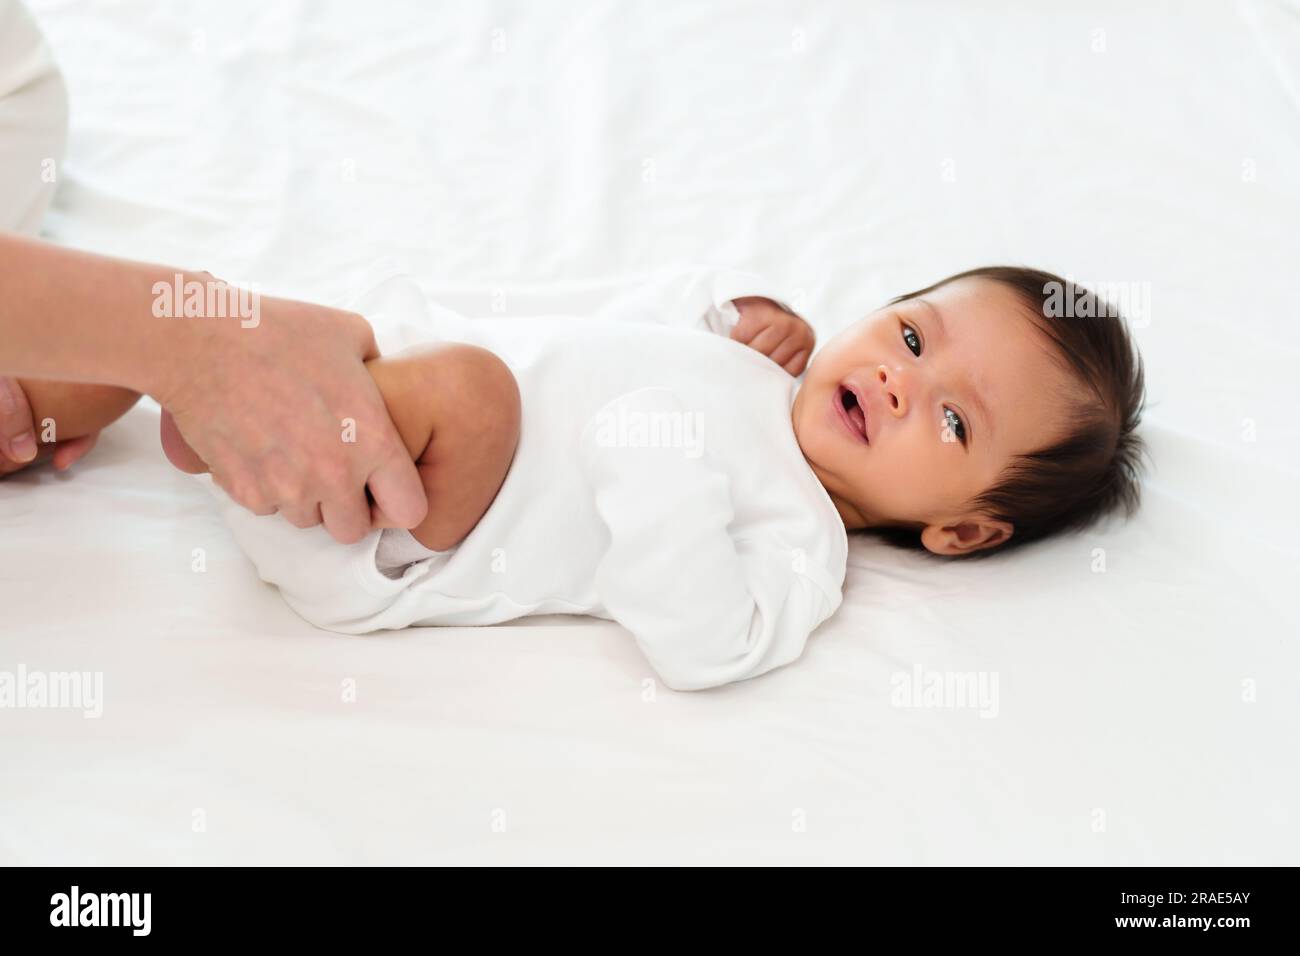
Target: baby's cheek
x=915 y=475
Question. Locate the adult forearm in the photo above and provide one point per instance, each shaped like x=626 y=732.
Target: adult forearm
x=76 y=316
x=271 y=395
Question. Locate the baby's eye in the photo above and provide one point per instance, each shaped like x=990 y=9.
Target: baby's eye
x=953 y=422
x=909 y=336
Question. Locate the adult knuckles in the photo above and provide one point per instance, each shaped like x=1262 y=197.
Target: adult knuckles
x=360 y=329
x=334 y=477
x=244 y=490
x=250 y=498
x=348 y=529
x=301 y=517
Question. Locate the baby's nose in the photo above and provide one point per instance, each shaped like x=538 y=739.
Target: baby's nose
x=891 y=387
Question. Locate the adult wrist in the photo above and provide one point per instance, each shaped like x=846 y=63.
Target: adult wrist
x=189 y=315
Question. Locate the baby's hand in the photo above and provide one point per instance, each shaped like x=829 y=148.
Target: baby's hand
x=780 y=335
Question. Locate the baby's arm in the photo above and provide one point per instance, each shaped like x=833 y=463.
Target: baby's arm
x=739 y=305
x=62 y=411
x=706 y=607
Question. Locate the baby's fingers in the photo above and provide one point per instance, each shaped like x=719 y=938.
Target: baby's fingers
x=787 y=349
x=750 y=325
x=768 y=340
x=798 y=363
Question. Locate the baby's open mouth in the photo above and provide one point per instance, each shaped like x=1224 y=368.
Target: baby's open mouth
x=851 y=412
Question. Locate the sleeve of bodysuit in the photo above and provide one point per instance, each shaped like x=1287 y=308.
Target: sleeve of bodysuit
x=691 y=297
x=705 y=609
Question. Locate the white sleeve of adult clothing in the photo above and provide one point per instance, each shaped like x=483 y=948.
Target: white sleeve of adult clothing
x=33 y=121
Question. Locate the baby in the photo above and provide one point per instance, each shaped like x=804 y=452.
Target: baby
x=659 y=464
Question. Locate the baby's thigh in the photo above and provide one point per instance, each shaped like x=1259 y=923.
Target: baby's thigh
x=457 y=407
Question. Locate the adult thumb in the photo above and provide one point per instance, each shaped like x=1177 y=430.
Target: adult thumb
x=177 y=449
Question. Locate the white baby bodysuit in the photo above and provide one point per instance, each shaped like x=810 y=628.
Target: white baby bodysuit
x=657 y=482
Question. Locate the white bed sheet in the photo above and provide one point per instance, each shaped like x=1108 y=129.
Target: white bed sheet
x=528 y=153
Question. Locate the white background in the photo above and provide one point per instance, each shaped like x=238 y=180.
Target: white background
x=848 y=151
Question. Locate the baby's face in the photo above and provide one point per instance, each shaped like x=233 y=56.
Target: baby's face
x=950 y=387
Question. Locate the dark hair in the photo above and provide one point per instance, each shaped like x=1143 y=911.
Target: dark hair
x=1096 y=468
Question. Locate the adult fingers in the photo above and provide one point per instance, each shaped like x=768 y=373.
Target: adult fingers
x=347 y=519
x=244 y=494
x=302 y=516
x=369 y=350
x=398 y=492
x=176 y=448
x=17 y=439
x=380 y=520
x=66 y=453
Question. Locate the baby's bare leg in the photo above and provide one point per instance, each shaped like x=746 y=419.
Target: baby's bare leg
x=457 y=409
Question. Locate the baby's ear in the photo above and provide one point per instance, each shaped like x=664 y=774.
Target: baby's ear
x=971 y=533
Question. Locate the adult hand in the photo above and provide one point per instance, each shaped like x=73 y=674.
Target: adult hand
x=287 y=418
x=18 y=445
